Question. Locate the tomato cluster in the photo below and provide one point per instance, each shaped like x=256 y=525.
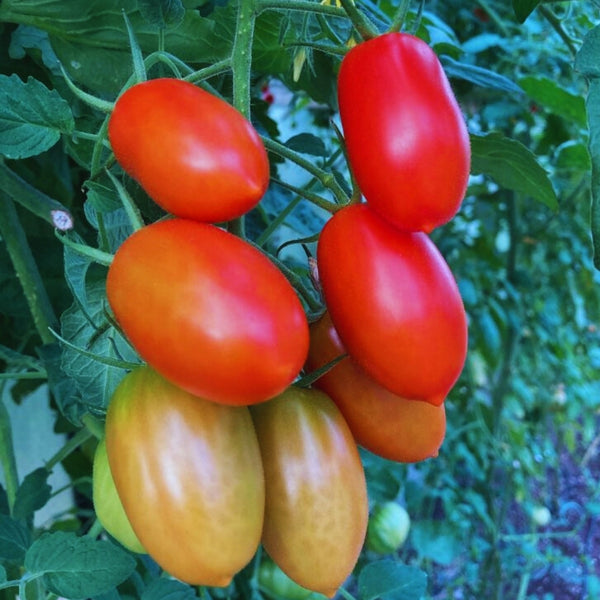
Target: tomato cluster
x=393 y=304
x=209 y=450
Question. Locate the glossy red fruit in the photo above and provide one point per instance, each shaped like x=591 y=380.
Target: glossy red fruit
x=193 y=153
x=406 y=138
x=208 y=311
x=189 y=475
x=382 y=422
x=394 y=303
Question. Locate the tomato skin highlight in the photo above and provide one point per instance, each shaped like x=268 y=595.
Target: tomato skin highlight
x=190 y=477
x=316 y=499
x=407 y=142
x=194 y=154
x=384 y=423
x=107 y=504
x=208 y=311
x=394 y=303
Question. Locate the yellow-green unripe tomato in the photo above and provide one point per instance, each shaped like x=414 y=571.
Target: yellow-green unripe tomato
x=108 y=506
x=277 y=585
x=388 y=528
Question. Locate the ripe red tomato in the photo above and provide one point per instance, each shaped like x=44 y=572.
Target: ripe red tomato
x=394 y=303
x=208 y=311
x=190 y=477
x=194 y=154
x=107 y=504
x=316 y=499
x=383 y=423
x=407 y=141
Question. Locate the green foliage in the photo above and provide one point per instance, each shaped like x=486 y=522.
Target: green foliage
x=522 y=420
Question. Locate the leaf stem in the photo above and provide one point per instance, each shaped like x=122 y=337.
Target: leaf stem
x=98 y=256
x=83 y=435
x=26 y=269
x=325 y=178
x=400 y=16
x=365 y=28
x=557 y=26
x=302 y=5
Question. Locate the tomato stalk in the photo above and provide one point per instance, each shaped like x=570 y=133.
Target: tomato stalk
x=305 y=6
x=328 y=180
x=242 y=56
x=400 y=16
x=365 y=28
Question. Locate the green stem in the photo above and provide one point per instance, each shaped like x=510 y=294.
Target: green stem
x=33 y=200
x=98 y=256
x=305 y=6
x=400 y=16
x=216 y=69
x=7 y=456
x=26 y=269
x=495 y=17
x=27 y=375
x=314 y=198
x=325 y=178
x=133 y=213
x=557 y=26
x=241 y=57
x=365 y=28
x=83 y=435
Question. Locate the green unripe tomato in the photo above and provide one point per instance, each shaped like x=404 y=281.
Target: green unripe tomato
x=277 y=585
x=108 y=506
x=541 y=516
x=388 y=528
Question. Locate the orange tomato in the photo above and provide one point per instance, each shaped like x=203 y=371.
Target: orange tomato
x=316 y=499
x=189 y=474
x=382 y=422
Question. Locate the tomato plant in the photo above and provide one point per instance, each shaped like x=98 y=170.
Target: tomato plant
x=316 y=498
x=189 y=474
x=388 y=528
x=382 y=422
x=406 y=138
x=107 y=504
x=208 y=311
x=193 y=153
x=394 y=303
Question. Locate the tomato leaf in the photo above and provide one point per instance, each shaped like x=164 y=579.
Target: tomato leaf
x=388 y=579
x=33 y=493
x=14 y=538
x=587 y=62
x=555 y=98
x=32 y=117
x=307 y=143
x=523 y=8
x=163 y=13
x=78 y=567
x=512 y=166
x=479 y=75
x=436 y=541
x=94 y=380
x=168 y=589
